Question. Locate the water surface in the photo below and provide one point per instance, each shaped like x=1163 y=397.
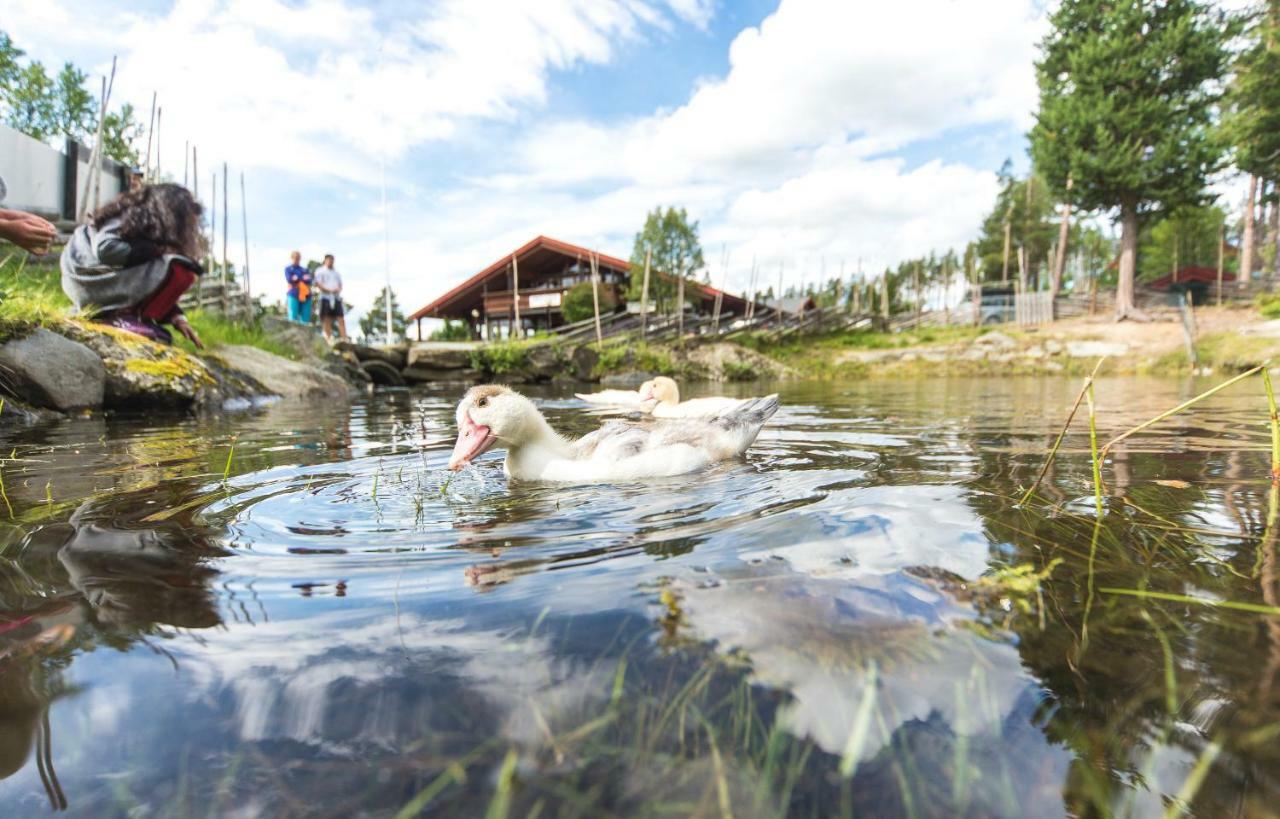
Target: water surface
x=856 y=619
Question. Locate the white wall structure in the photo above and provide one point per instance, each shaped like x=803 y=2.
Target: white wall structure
x=44 y=180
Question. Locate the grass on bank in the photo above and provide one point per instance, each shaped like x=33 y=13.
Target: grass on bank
x=31 y=296
x=30 y=293
x=819 y=355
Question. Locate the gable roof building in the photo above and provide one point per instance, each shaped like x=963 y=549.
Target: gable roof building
x=544 y=269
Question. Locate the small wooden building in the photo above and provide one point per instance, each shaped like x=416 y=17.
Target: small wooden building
x=546 y=269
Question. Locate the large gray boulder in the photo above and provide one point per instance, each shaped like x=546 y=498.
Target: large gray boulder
x=441 y=355
x=288 y=379
x=48 y=370
x=584 y=360
x=142 y=374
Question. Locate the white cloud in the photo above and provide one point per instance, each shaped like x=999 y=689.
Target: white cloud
x=806 y=150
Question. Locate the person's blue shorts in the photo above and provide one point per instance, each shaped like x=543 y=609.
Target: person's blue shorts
x=299 y=310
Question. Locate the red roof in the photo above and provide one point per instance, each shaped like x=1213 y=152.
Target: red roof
x=500 y=265
x=1190 y=274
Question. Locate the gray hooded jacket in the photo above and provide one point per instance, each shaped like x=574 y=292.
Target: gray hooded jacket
x=94 y=272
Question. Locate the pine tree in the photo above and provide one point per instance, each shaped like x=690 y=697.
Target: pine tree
x=374 y=321
x=1127 y=94
x=1252 y=121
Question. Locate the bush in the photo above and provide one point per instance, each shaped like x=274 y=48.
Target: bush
x=578 y=306
x=1269 y=304
x=739 y=371
x=623 y=357
x=451 y=331
x=499 y=358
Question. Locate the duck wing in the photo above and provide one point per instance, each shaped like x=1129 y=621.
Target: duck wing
x=698 y=407
x=623 y=451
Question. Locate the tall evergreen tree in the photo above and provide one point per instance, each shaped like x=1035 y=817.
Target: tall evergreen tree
x=374 y=321
x=1127 y=94
x=1252 y=120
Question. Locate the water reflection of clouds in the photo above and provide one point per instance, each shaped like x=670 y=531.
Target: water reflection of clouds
x=333 y=682
x=812 y=617
x=888 y=528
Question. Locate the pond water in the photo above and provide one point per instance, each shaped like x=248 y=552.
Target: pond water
x=856 y=619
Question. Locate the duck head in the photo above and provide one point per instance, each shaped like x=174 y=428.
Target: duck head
x=489 y=414
x=661 y=390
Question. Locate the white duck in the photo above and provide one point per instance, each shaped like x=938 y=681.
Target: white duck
x=491 y=415
x=661 y=398
x=614 y=398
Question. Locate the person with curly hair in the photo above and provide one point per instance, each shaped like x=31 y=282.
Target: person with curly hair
x=133 y=259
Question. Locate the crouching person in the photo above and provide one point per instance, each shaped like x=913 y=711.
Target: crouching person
x=134 y=258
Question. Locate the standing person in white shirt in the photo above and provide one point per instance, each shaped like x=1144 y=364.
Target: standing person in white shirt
x=329 y=283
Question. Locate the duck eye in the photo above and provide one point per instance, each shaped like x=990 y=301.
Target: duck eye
x=483 y=402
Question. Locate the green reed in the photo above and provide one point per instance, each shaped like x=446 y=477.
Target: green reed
x=1275 y=425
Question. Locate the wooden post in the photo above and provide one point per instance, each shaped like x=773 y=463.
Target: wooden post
x=159 y=131
x=680 y=307
x=515 y=295
x=644 y=296
x=884 y=298
x=244 y=215
x=595 y=299
x=91 y=181
x=212 y=255
x=1222 y=240
x=1022 y=269
x=1008 y=236
x=916 y=287
x=151 y=127
x=186 y=151
x=225 y=221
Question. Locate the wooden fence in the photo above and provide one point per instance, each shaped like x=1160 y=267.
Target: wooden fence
x=215 y=297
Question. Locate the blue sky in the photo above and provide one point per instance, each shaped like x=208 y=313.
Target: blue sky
x=800 y=133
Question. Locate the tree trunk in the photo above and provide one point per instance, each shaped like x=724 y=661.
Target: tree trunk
x=1008 y=236
x=1060 y=258
x=1273 y=227
x=680 y=309
x=1128 y=261
x=1246 y=240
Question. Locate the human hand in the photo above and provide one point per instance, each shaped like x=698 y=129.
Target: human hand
x=27 y=231
x=183 y=326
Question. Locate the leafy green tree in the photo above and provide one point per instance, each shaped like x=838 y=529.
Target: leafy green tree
x=121 y=134
x=75 y=111
x=1186 y=237
x=374 y=320
x=578 y=303
x=9 y=66
x=676 y=253
x=31 y=104
x=1128 y=90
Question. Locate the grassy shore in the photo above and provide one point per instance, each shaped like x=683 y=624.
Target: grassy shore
x=31 y=296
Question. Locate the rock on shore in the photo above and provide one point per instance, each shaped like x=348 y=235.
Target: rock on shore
x=75 y=365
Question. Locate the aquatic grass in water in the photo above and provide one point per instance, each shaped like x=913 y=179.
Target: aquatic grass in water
x=862 y=618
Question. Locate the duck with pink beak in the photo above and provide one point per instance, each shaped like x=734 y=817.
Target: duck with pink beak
x=490 y=415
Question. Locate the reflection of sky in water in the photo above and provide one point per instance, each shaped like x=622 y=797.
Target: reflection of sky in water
x=368 y=613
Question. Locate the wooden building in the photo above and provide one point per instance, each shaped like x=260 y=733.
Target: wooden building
x=539 y=274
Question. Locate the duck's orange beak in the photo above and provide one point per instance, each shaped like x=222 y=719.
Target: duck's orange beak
x=473 y=440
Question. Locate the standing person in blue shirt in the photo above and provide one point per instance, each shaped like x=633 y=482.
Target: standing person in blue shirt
x=299 y=279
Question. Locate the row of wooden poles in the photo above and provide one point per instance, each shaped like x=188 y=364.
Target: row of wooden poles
x=190 y=179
